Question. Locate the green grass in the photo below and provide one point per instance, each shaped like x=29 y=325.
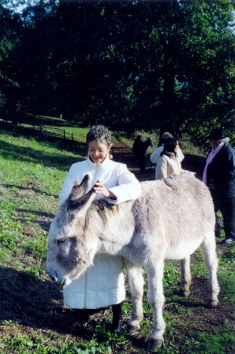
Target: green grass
x=32 y=316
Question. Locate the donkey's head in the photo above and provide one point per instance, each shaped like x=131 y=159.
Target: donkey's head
x=71 y=245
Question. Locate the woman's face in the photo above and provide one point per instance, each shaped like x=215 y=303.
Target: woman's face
x=212 y=143
x=97 y=151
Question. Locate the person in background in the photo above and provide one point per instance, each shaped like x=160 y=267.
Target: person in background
x=137 y=146
x=219 y=176
x=157 y=152
x=168 y=164
x=102 y=285
x=139 y=150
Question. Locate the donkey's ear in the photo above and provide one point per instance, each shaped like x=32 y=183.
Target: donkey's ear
x=79 y=200
x=79 y=189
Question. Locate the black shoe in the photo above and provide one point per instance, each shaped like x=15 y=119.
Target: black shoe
x=85 y=316
x=116 y=326
x=228 y=241
x=81 y=315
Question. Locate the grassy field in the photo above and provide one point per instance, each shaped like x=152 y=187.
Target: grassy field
x=32 y=316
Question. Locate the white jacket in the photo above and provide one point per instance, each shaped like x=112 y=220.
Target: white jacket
x=167 y=166
x=156 y=155
x=103 y=283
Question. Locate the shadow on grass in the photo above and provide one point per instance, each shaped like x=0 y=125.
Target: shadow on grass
x=27 y=189
x=25 y=154
x=61 y=142
x=43 y=219
x=36 y=303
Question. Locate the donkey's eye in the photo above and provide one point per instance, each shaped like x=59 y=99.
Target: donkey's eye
x=60 y=241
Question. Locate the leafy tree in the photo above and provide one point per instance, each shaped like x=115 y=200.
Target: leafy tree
x=165 y=65
x=9 y=26
x=208 y=71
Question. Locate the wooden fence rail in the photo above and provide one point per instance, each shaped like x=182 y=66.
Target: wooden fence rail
x=66 y=138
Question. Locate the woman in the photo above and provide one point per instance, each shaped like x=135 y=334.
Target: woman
x=219 y=176
x=102 y=284
x=157 y=152
x=168 y=163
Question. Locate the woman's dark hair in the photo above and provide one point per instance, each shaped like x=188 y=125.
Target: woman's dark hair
x=164 y=137
x=100 y=133
x=170 y=145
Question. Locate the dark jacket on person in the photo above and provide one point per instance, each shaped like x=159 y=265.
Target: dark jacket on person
x=221 y=171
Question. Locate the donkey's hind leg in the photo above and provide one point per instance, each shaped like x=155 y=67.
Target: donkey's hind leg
x=185 y=276
x=211 y=261
x=156 y=299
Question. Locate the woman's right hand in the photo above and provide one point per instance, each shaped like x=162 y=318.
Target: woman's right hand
x=99 y=188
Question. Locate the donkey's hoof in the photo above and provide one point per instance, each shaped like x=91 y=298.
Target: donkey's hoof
x=155 y=344
x=184 y=292
x=133 y=330
x=214 y=303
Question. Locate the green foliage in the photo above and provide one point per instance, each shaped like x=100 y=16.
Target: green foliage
x=24 y=345
x=227 y=276
x=171 y=274
x=37 y=247
x=9 y=228
x=131 y=65
x=91 y=347
x=217 y=344
x=200 y=133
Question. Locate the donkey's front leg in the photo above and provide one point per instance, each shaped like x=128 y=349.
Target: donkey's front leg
x=210 y=258
x=136 y=284
x=156 y=299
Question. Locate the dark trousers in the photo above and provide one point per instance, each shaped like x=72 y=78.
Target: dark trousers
x=117 y=315
x=226 y=204
x=141 y=162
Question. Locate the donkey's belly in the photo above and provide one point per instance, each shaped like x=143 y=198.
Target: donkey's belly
x=183 y=249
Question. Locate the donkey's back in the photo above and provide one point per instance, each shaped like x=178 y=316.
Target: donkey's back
x=177 y=212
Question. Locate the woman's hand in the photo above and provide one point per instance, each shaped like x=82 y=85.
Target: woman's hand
x=99 y=188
